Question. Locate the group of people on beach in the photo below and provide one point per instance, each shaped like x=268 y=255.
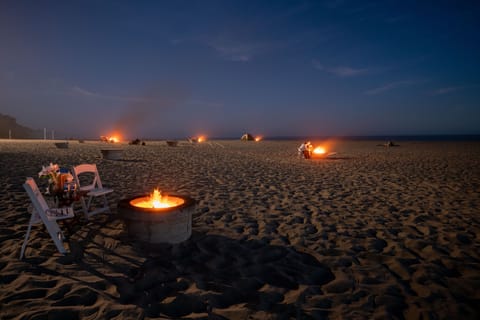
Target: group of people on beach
x=305 y=150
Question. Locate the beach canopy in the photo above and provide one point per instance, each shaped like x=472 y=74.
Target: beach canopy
x=247 y=137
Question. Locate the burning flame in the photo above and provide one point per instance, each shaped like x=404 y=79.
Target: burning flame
x=258 y=138
x=319 y=150
x=201 y=139
x=157 y=201
x=110 y=139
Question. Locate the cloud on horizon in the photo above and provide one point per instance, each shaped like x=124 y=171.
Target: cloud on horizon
x=234 y=52
x=76 y=90
x=392 y=86
x=238 y=51
x=442 y=91
x=446 y=90
x=341 y=71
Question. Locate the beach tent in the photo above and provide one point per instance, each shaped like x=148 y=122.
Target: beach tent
x=247 y=137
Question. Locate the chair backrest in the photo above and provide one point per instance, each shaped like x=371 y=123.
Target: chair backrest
x=84 y=169
x=42 y=213
x=36 y=197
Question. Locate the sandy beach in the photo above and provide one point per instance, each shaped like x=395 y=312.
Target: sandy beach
x=372 y=233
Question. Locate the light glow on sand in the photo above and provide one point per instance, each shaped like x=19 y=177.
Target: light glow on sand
x=157 y=201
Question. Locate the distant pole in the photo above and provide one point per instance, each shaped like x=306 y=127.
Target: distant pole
x=53 y=134
x=44 y=133
x=9 y=134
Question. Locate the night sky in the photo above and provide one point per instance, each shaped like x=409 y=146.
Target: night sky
x=174 y=69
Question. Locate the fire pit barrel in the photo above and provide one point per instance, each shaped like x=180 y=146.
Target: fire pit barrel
x=158 y=225
x=61 y=145
x=112 y=154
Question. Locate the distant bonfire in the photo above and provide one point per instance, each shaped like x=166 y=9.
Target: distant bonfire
x=108 y=139
x=197 y=139
x=247 y=137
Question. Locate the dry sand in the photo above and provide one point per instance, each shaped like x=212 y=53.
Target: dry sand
x=375 y=233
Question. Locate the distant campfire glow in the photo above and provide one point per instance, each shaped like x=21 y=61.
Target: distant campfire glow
x=202 y=139
x=157 y=201
x=110 y=138
x=322 y=151
x=258 y=138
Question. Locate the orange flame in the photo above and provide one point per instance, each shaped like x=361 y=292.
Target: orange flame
x=157 y=201
x=258 y=138
x=110 y=138
x=319 y=150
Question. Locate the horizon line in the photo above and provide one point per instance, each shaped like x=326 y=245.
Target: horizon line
x=400 y=137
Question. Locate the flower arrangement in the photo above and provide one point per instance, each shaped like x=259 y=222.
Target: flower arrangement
x=51 y=173
x=60 y=183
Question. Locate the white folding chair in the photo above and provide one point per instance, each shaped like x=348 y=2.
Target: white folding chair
x=41 y=212
x=88 y=181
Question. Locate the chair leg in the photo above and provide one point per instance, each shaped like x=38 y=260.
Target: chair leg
x=105 y=204
x=85 y=207
x=57 y=237
x=24 y=245
x=89 y=202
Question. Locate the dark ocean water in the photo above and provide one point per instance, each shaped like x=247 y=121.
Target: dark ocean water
x=374 y=138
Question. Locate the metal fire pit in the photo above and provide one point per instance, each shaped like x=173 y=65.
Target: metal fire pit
x=112 y=154
x=61 y=145
x=158 y=225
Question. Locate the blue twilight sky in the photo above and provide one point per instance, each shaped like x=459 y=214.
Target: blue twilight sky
x=171 y=69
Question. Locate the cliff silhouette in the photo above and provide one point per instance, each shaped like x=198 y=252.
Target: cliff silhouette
x=17 y=131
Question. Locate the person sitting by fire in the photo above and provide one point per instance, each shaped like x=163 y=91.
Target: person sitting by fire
x=305 y=149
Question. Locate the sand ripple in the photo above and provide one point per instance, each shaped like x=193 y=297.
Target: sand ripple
x=373 y=233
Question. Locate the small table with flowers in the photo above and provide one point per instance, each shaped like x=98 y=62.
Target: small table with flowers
x=61 y=188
